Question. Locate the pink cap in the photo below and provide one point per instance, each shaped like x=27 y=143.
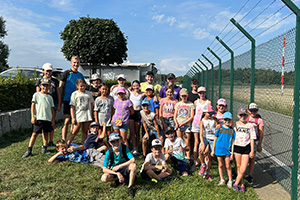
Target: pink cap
x=208 y=108
x=222 y=102
x=121 y=90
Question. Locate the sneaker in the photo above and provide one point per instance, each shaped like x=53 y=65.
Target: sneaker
x=154 y=180
x=242 y=189
x=207 y=176
x=202 y=170
x=51 y=144
x=131 y=191
x=235 y=187
x=229 y=184
x=249 y=179
x=27 y=154
x=135 y=152
x=45 y=151
x=222 y=182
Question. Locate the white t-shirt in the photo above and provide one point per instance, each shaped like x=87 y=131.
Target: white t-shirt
x=83 y=105
x=176 y=144
x=209 y=129
x=154 y=161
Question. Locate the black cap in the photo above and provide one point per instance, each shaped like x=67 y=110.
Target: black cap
x=150 y=73
x=170 y=75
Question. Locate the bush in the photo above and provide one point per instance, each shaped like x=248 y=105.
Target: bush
x=16 y=93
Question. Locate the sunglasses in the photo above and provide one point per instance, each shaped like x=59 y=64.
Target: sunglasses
x=114 y=141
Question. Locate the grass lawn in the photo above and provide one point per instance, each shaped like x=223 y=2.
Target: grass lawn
x=35 y=178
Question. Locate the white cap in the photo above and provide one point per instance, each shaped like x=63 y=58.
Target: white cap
x=156 y=142
x=47 y=66
x=150 y=87
x=121 y=76
x=95 y=77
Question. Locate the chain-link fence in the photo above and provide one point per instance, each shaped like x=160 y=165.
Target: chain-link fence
x=275 y=100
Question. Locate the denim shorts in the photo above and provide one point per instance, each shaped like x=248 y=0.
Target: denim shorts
x=122 y=128
x=169 y=122
x=185 y=129
x=208 y=142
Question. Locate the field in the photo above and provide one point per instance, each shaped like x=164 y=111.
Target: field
x=268 y=98
x=35 y=178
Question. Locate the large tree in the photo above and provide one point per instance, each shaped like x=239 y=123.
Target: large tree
x=4 y=51
x=96 y=41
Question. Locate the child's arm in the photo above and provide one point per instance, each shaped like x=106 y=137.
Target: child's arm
x=112 y=87
x=73 y=114
x=202 y=146
x=103 y=131
x=147 y=166
x=96 y=116
x=261 y=136
x=53 y=117
x=59 y=98
x=160 y=137
x=37 y=88
x=33 y=120
x=116 y=168
x=175 y=118
x=213 y=148
x=232 y=147
x=161 y=117
x=72 y=148
x=53 y=158
x=60 y=87
x=146 y=136
x=251 y=155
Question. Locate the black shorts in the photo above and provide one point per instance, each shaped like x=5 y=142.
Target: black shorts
x=42 y=126
x=145 y=175
x=67 y=108
x=136 y=116
x=242 y=150
x=124 y=172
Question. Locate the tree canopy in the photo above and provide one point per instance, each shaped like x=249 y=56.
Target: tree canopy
x=4 y=51
x=94 y=40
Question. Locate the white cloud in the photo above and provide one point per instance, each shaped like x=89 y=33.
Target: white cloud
x=158 y=18
x=174 y=65
x=185 y=25
x=171 y=20
x=200 y=34
x=62 y=5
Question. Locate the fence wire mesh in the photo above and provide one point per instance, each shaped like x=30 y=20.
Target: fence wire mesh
x=275 y=102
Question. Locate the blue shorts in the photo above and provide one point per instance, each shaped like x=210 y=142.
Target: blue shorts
x=180 y=165
x=169 y=122
x=155 y=133
x=122 y=128
x=124 y=172
x=185 y=129
x=208 y=142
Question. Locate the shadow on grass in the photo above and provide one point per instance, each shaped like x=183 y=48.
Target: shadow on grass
x=15 y=136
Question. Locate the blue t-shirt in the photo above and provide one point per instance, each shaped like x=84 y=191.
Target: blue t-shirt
x=70 y=78
x=92 y=141
x=153 y=105
x=224 y=141
x=117 y=159
x=76 y=156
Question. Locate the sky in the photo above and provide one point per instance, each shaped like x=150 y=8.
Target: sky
x=170 y=33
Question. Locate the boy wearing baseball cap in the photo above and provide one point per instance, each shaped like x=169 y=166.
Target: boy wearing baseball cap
x=42 y=116
x=155 y=166
x=95 y=86
x=119 y=163
x=53 y=91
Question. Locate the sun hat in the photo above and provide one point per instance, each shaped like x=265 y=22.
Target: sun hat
x=208 y=108
x=95 y=77
x=114 y=136
x=227 y=115
x=201 y=89
x=156 y=142
x=121 y=90
x=121 y=76
x=47 y=66
x=184 y=91
x=45 y=81
x=253 y=106
x=170 y=75
x=150 y=87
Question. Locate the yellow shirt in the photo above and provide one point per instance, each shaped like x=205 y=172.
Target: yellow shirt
x=156 y=86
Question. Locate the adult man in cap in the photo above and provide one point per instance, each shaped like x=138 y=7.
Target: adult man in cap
x=171 y=80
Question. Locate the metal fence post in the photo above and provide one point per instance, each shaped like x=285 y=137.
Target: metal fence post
x=212 y=78
x=198 y=72
x=202 y=72
x=220 y=65
x=231 y=71
x=252 y=57
x=206 y=78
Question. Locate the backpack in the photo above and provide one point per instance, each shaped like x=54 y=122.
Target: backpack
x=111 y=154
x=255 y=124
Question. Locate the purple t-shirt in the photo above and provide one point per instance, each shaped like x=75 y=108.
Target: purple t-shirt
x=162 y=93
x=122 y=110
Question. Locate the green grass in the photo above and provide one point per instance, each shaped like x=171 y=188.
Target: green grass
x=35 y=178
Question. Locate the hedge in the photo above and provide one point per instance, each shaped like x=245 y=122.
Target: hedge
x=17 y=93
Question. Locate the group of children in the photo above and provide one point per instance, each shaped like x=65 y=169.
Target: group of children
x=178 y=131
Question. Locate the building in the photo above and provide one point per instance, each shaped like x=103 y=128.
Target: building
x=133 y=71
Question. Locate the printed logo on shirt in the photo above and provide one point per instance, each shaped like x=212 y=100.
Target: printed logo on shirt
x=183 y=111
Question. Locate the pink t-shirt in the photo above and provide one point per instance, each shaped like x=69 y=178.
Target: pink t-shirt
x=168 y=107
x=243 y=134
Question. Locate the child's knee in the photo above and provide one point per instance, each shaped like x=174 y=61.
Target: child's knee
x=132 y=167
x=104 y=178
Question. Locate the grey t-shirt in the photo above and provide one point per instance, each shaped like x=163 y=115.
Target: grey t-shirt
x=104 y=107
x=43 y=105
x=149 y=120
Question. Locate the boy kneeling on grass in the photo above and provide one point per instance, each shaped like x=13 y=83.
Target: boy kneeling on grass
x=174 y=148
x=119 y=163
x=155 y=166
x=92 y=151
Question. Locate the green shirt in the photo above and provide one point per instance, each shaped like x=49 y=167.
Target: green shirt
x=43 y=105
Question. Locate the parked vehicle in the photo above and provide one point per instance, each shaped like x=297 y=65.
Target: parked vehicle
x=29 y=72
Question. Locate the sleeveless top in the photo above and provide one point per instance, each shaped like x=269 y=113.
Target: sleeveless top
x=209 y=129
x=199 y=112
x=136 y=100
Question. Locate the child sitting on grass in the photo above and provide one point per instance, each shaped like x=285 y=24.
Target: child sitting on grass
x=223 y=147
x=155 y=166
x=92 y=151
x=119 y=163
x=42 y=116
x=174 y=148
